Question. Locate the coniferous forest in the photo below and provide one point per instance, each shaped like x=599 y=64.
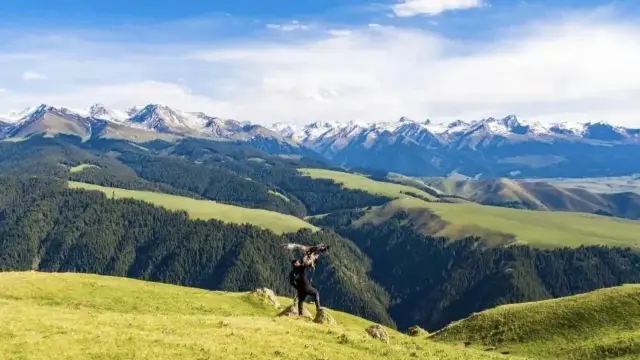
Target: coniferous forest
x=387 y=272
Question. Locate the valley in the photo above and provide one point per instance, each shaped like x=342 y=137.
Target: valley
x=319 y=180
x=213 y=215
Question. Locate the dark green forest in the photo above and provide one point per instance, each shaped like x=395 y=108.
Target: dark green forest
x=387 y=273
x=47 y=227
x=433 y=281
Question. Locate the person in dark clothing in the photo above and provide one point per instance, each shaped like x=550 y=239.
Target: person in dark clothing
x=298 y=279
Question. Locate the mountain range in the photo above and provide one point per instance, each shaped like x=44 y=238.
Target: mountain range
x=490 y=147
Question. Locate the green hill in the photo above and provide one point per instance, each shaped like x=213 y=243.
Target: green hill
x=359 y=182
x=74 y=316
x=539 y=195
x=503 y=226
x=603 y=324
x=206 y=209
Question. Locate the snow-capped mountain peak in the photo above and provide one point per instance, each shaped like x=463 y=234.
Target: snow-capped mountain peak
x=99 y=111
x=163 y=118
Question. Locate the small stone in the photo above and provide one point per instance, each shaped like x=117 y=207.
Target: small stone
x=416 y=331
x=268 y=296
x=323 y=317
x=378 y=332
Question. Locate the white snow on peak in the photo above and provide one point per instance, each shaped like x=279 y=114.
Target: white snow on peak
x=15 y=116
x=99 y=111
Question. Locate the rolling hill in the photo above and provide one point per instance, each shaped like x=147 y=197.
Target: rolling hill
x=206 y=209
x=539 y=195
x=506 y=226
x=603 y=324
x=75 y=316
x=361 y=182
x=377 y=270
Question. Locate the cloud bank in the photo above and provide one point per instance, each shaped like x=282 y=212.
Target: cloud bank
x=578 y=69
x=408 y=8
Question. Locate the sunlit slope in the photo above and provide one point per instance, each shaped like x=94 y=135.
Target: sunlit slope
x=539 y=195
x=504 y=226
x=359 y=182
x=604 y=324
x=205 y=209
x=73 y=316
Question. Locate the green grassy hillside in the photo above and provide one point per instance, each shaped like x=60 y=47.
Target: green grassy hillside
x=359 y=182
x=538 y=195
x=483 y=191
x=74 y=316
x=500 y=225
x=205 y=209
x=82 y=167
x=604 y=324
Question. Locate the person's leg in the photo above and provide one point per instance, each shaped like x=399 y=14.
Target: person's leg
x=316 y=296
x=301 y=297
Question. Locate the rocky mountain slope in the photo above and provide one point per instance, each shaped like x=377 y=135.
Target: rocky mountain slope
x=491 y=147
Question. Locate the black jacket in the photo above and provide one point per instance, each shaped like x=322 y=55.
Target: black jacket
x=298 y=278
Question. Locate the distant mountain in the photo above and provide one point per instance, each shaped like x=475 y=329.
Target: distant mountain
x=139 y=123
x=537 y=195
x=486 y=148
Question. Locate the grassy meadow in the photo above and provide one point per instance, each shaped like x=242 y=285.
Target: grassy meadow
x=82 y=167
x=206 y=209
x=75 y=316
x=500 y=225
x=603 y=324
x=359 y=182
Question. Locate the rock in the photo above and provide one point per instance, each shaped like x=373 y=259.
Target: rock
x=323 y=317
x=416 y=331
x=268 y=296
x=378 y=332
x=292 y=310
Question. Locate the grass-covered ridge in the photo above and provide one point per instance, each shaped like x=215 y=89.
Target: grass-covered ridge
x=206 y=209
x=603 y=324
x=359 y=182
x=74 y=316
x=505 y=225
x=538 y=195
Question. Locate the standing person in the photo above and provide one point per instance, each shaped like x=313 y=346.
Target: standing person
x=299 y=280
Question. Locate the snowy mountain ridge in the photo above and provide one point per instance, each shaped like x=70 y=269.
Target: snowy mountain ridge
x=486 y=147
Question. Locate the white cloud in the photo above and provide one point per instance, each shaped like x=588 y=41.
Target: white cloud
x=292 y=26
x=408 y=8
x=580 y=70
x=32 y=75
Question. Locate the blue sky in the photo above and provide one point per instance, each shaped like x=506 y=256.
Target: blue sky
x=306 y=60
